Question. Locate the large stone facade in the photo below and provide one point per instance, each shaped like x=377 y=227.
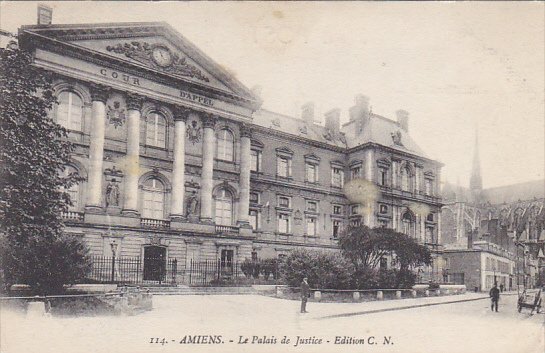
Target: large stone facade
x=180 y=162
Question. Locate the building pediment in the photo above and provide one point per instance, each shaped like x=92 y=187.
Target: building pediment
x=152 y=48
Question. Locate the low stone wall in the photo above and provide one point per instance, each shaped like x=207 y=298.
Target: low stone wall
x=354 y=296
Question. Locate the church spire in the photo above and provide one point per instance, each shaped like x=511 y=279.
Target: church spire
x=476 y=183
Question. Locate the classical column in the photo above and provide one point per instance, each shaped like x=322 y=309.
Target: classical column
x=370 y=176
x=99 y=95
x=178 y=170
x=208 y=147
x=132 y=163
x=244 y=183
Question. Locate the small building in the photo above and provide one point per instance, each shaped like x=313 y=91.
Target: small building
x=480 y=267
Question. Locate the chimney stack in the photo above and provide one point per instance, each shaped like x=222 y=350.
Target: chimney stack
x=333 y=120
x=403 y=119
x=360 y=110
x=307 y=112
x=45 y=14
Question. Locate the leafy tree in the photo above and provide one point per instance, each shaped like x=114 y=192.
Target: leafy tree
x=364 y=247
x=33 y=155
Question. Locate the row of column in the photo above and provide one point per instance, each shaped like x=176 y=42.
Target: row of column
x=99 y=96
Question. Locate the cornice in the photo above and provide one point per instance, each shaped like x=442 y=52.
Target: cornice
x=85 y=54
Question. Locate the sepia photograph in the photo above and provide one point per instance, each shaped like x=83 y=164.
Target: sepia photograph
x=272 y=176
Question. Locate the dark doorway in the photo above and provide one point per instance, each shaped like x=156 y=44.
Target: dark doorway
x=154 y=263
x=227 y=262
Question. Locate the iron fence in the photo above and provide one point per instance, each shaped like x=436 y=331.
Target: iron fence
x=133 y=270
x=212 y=272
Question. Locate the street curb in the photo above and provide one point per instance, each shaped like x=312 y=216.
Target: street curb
x=399 y=308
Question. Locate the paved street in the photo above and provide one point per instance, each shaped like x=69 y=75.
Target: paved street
x=462 y=327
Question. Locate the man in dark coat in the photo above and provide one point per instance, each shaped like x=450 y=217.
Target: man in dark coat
x=495 y=296
x=305 y=293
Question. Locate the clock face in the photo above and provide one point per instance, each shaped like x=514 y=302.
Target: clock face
x=161 y=56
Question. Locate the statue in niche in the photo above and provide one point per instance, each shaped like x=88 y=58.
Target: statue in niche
x=112 y=193
x=192 y=204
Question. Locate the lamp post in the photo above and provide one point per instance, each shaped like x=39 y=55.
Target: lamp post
x=113 y=246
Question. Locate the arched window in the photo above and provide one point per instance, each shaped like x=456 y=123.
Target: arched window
x=153 y=199
x=408 y=223
x=225 y=145
x=224 y=207
x=406 y=179
x=156 y=130
x=70 y=111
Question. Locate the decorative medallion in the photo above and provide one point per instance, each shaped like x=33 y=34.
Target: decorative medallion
x=396 y=137
x=159 y=57
x=116 y=114
x=194 y=132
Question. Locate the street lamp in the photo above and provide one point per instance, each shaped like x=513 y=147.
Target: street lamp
x=113 y=246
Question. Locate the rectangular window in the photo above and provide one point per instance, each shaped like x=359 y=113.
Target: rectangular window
x=255 y=161
x=283 y=223
x=355 y=172
x=283 y=166
x=227 y=258
x=254 y=197
x=337 y=177
x=337 y=209
x=284 y=201
x=311 y=173
x=254 y=219
x=336 y=228
x=383 y=209
x=355 y=209
x=312 y=206
x=383 y=173
x=311 y=226
x=428 y=187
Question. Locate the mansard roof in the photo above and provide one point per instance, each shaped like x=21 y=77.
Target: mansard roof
x=86 y=39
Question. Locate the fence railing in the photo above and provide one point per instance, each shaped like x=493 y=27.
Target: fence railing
x=226 y=229
x=133 y=270
x=155 y=223
x=72 y=216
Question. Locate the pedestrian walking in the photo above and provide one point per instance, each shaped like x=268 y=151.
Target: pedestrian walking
x=495 y=297
x=501 y=288
x=305 y=293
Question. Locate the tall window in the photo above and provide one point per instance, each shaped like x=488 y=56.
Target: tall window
x=283 y=166
x=225 y=145
x=405 y=179
x=256 y=161
x=311 y=172
x=73 y=191
x=383 y=176
x=336 y=228
x=284 y=223
x=355 y=172
x=153 y=199
x=311 y=226
x=428 y=187
x=70 y=111
x=337 y=177
x=224 y=207
x=156 y=130
x=408 y=224
x=254 y=219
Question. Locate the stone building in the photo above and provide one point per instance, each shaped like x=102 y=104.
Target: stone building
x=180 y=161
x=506 y=222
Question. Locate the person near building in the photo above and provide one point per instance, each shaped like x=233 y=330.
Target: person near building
x=495 y=297
x=305 y=293
x=501 y=288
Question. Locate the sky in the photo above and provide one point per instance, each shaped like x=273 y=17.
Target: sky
x=455 y=67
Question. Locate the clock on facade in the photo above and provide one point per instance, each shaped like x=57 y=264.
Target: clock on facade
x=161 y=56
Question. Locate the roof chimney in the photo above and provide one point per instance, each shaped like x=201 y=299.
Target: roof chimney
x=307 y=112
x=333 y=120
x=45 y=14
x=403 y=119
x=361 y=107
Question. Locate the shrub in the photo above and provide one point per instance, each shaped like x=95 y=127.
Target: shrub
x=323 y=269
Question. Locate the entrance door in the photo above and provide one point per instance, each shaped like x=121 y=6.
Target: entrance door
x=154 y=263
x=227 y=262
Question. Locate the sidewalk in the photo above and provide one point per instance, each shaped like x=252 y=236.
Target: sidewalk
x=332 y=310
